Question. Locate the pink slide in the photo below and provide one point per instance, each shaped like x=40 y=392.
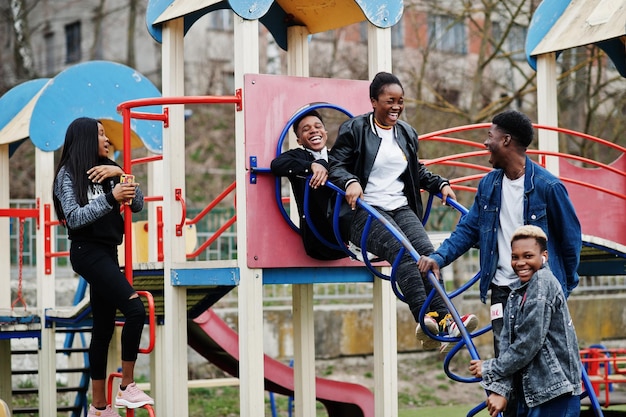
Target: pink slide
x=211 y=337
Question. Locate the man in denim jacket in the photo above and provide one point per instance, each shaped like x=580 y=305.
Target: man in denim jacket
x=515 y=193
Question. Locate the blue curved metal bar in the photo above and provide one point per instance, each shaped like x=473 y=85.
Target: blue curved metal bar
x=309 y=222
x=375 y=214
x=71 y=320
x=393 y=281
x=454 y=204
x=465 y=286
x=394 y=266
x=363 y=243
x=429 y=205
x=595 y=404
x=480 y=407
x=437 y=288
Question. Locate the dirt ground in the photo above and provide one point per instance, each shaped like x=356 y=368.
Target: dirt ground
x=422 y=381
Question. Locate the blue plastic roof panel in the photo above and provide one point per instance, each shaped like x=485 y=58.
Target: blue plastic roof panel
x=92 y=89
x=381 y=13
x=14 y=100
x=545 y=16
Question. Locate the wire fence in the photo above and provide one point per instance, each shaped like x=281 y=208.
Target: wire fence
x=225 y=248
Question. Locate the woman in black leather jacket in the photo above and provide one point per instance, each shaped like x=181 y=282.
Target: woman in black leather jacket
x=375 y=159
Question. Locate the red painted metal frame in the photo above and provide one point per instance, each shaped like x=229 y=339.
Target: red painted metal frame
x=608 y=180
x=130 y=412
x=206 y=211
x=178 y=194
x=151 y=321
x=604 y=367
x=125 y=109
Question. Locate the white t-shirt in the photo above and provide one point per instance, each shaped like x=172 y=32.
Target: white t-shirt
x=384 y=187
x=511 y=217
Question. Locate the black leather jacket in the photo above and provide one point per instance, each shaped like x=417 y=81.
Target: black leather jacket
x=353 y=154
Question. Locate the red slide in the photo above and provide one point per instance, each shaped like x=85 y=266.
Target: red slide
x=211 y=337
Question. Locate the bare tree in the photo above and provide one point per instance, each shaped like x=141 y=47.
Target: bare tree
x=132 y=22
x=591 y=100
x=22 y=50
x=98 y=18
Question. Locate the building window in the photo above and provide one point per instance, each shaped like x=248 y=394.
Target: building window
x=50 y=58
x=515 y=42
x=72 y=43
x=221 y=19
x=447 y=34
x=397 y=35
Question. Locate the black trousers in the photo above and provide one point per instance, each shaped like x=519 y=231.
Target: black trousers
x=500 y=295
x=109 y=291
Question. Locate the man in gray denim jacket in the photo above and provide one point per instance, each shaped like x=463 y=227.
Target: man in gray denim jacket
x=539 y=361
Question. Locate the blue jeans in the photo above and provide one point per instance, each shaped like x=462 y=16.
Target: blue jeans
x=564 y=406
x=382 y=243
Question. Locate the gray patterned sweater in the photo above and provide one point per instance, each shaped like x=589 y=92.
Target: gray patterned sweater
x=99 y=221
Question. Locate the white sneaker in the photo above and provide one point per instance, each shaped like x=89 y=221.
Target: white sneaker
x=433 y=327
x=470 y=322
x=132 y=397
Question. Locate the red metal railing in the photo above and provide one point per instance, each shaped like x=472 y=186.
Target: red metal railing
x=21 y=214
x=206 y=211
x=127 y=114
x=605 y=367
x=130 y=412
x=453 y=160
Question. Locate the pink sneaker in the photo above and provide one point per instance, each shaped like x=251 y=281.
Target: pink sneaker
x=132 y=397
x=107 y=412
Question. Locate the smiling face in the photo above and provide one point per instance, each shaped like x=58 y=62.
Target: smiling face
x=495 y=144
x=389 y=104
x=311 y=133
x=526 y=257
x=103 y=142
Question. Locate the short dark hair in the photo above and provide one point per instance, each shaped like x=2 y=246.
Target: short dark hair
x=299 y=120
x=516 y=124
x=381 y=80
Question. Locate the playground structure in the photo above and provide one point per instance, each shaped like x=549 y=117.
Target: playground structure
x=255 y=265
x=606 y=368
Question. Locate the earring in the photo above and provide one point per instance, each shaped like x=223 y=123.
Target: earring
x=543 y=260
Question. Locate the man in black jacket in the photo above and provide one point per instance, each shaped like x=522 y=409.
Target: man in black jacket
x=297 y=165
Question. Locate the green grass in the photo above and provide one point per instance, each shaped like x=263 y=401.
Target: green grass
x=462 y=410
x=447 y=411
x=224 y=402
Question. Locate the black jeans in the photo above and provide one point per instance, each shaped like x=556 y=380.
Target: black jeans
x=382 y=243
x=109 y=291
x=500 y=295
